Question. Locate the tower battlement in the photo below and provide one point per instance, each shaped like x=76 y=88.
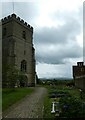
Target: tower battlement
x=18 y=19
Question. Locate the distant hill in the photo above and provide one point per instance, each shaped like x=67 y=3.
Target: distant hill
x=60 y=78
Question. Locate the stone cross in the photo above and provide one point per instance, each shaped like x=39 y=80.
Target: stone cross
x=53 y=107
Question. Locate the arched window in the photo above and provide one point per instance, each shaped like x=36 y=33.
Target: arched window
x=23 y=65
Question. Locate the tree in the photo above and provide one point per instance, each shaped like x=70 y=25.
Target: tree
x=12 y=76
x=23 y=79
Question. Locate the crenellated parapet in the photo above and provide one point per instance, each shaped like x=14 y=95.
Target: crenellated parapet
x=18 y=19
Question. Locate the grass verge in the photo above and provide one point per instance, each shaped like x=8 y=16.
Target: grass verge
x=12 y=95
x=47 y=108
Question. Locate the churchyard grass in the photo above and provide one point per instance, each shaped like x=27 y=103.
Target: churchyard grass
x=12 y=95
x=74 y=92
x=47 y=107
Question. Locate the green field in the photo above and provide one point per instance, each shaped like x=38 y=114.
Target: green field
x=12 y=95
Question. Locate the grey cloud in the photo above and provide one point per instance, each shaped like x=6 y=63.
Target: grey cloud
x=63 y=40
x=7 y=8
x=84 y=31
x=25 y=10
x=59 y=35
x=58 y=55
x=30 y=11
x=68 y=15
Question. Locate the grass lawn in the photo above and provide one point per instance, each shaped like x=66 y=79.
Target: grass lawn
x=12 y=95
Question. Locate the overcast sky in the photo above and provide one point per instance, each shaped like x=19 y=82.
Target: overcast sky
x=58 y=33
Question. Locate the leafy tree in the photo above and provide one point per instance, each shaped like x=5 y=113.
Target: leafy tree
x=12 y=76
x=23 y=79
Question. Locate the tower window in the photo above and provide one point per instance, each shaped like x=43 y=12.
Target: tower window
x=24 y=52
x=23 y=66
x=82 y=69
x=24 y=35
x=4 y=31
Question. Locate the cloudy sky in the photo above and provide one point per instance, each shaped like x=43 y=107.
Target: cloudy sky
x=58 y=33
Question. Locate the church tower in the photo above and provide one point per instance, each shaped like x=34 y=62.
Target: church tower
x=17 y=46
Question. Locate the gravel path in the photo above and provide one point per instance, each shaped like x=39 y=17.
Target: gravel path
x=29 y=107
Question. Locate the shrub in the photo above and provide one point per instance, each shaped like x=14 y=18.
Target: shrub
x=71 y=107
x=14 y=77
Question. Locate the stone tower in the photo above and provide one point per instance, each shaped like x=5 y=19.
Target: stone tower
x=17 y=46
x=79 y=75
